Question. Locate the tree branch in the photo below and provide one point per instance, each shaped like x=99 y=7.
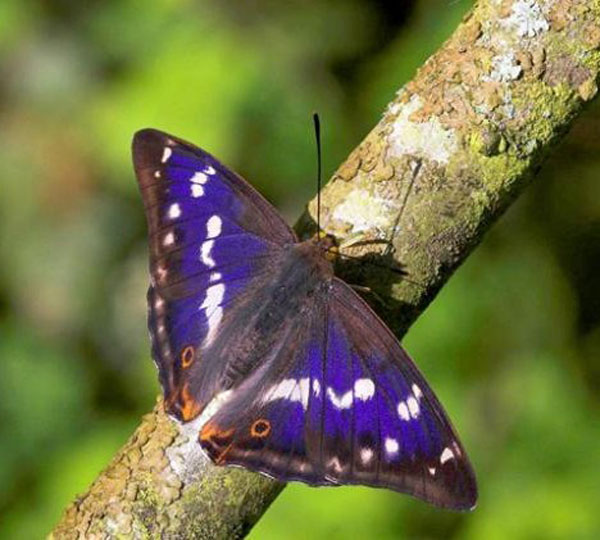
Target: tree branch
x=480 y=116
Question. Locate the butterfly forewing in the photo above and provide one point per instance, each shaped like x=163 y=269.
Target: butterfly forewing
x=211 y=235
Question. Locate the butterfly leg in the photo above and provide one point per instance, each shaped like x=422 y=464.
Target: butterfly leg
x=368 y=290
x=360 y=239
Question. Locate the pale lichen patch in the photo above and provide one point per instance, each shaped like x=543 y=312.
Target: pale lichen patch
x=363 y=212
x=427 y=139
x=526 y=19
x=185 y=455
x=504 y=68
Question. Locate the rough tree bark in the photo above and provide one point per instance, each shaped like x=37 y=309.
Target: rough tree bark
x=480 y=116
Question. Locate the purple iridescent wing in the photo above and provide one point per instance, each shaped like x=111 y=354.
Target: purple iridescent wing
x=342 y=403
x=211 y=236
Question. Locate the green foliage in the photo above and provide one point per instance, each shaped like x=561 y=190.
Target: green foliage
x=511 y=345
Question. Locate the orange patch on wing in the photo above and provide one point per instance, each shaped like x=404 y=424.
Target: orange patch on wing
x=219 y=437
x=187 y=357
x=189 y=408
x=212 y=431
x=261 y=428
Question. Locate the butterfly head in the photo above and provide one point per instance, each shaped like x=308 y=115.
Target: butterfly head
x=327 y=244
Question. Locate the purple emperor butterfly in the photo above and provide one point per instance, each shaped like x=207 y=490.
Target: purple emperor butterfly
x=319 y=390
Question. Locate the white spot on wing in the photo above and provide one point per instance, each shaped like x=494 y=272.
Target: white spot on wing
x=214 y=313
x=174 y=211
x=300 y=393
x=167 y=152
x=199 y=178
x=391 y=446
x=161 y=273
x=403 y=411
x=213 y=322
x=205 y=254
x=210 y=170
x=417 y=391
x=292 y=390
x=214 y=296
x=215 y=276
x=366 y=455
x=431 y=470
x=214 y=226
x=197 y=191
x=280 y=390
x=169 y=239
x=343 y=402
x=156 y=174
x=316 y=386
x=446 y=455
x=364 y=389
x=413 y=406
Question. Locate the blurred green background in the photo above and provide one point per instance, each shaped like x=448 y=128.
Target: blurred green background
x=511 y=345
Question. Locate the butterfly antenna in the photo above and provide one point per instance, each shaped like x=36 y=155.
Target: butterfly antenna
x=317 y=124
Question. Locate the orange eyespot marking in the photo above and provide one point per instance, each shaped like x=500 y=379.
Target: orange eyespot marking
x=187 y=357
x=189 y=408
x=261 y=428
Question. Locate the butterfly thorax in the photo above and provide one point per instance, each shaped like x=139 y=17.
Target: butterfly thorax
x=315 y=254
x=303 y=271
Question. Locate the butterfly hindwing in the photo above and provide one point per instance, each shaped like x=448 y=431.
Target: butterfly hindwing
x=419 y=450
x=211 y=235
x=343 y=403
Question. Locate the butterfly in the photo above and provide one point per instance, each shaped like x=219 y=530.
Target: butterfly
x=314 y=387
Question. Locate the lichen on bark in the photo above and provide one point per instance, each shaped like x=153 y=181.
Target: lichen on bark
x=478 y=117
x=143 y=493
